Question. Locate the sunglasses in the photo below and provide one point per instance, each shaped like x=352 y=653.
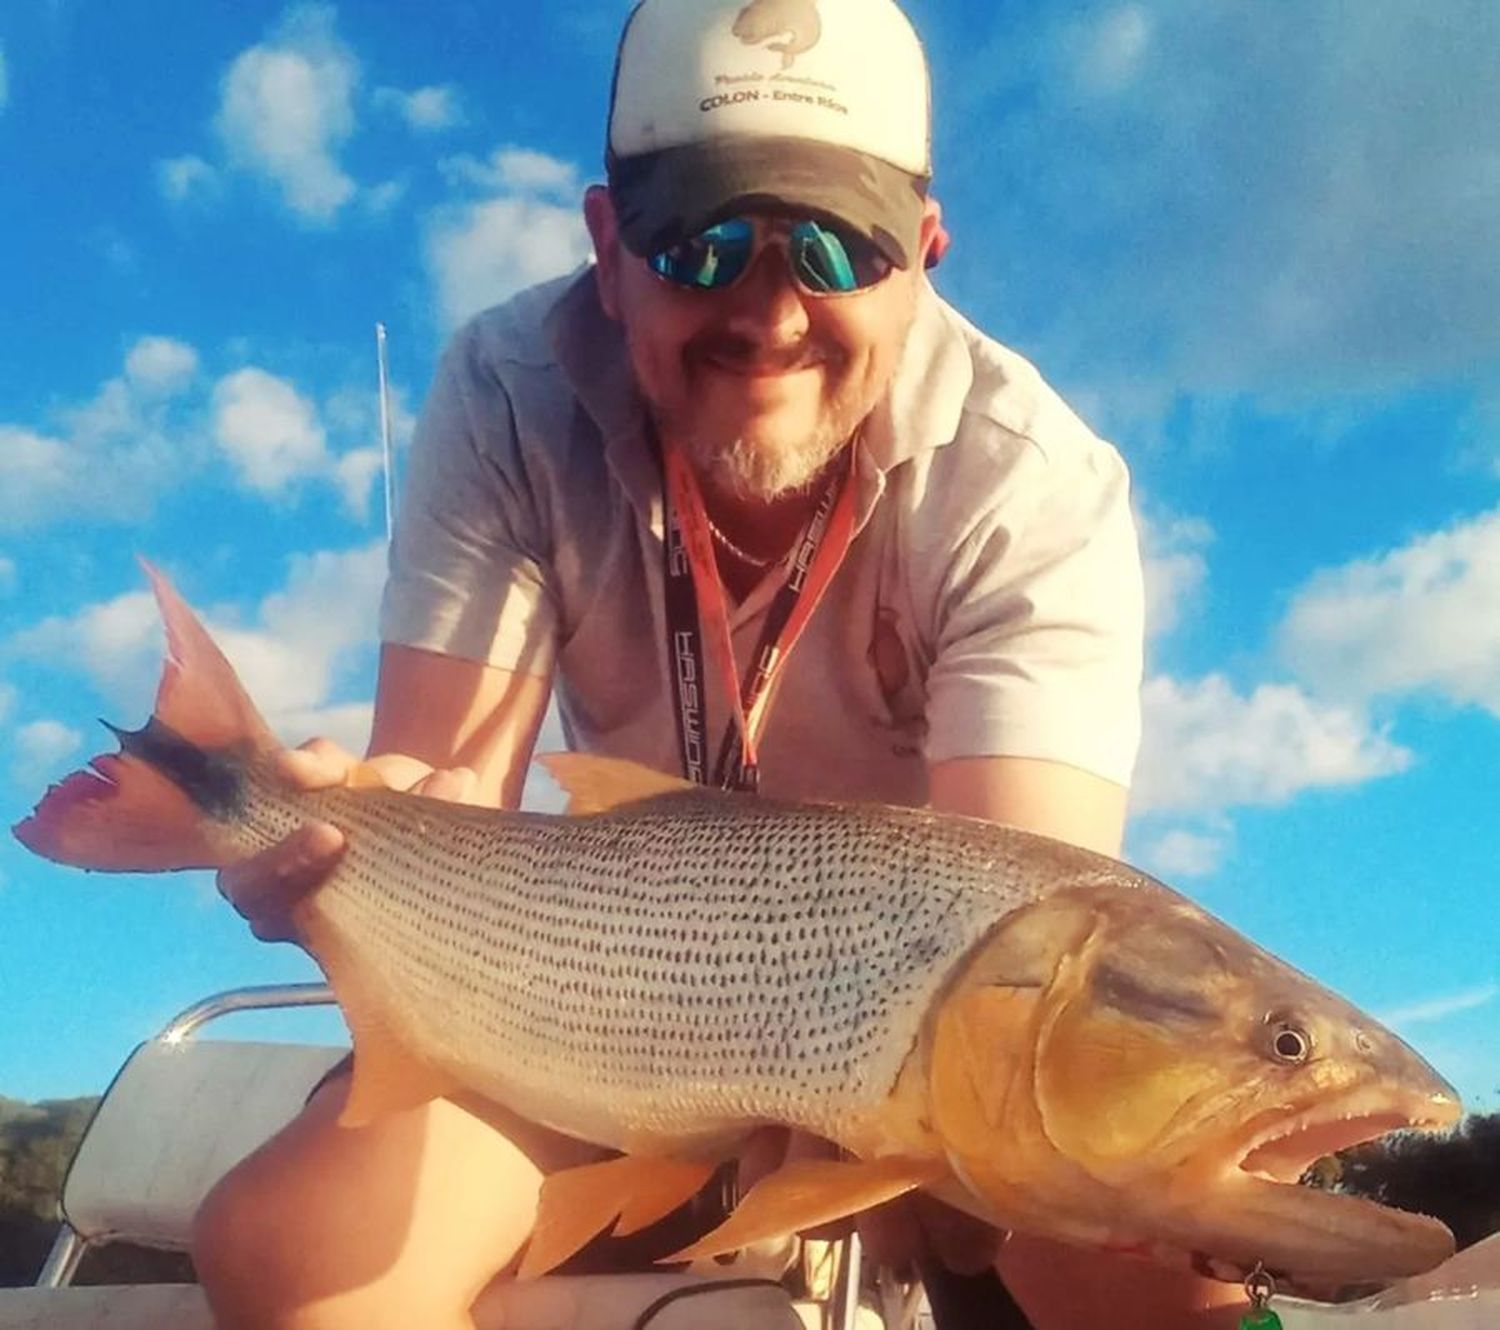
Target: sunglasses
x=825 y=260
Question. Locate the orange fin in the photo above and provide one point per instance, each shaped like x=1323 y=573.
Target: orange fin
x=122 y=816
x=577 y=1204
x=199 y=695
x=596 y=784
x=388 y=1077
x=160 y=803
x=809 y=1192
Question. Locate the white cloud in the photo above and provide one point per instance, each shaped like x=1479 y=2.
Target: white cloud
x=9 y=578
x=269 y=432
x=7 y=700
x=515 y=170
x=160 y=366
x=1207 y=747
x=292 y=659
x=39 y=748
x=1112 y=50
x=35 y=475
x=158 y=424
x=1174 y=568
x=185 y=179
x=287 y=106
x=354 y=473
x=1428 y=1010
x=425 y=109
x=1177 y=854
x=1420 y=618
x=116 y=642
x=481 y=253
x=1292 y=200
x=114 y=454
x=384 y=196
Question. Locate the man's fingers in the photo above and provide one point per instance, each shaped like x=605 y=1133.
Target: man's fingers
x=265 y=887
x=458 y=785
x=316 y=765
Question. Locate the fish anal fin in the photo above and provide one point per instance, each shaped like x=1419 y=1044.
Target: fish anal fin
x=365 y=776
x=123 y=816
x=808 y=1192
x=577 y=1204
x=596 y=784
x=199 y=695
x=388 y=1077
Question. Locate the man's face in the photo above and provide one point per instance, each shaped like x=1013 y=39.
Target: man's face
x=761 y=383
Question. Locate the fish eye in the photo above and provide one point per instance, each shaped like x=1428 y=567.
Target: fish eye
x=1290 y=1043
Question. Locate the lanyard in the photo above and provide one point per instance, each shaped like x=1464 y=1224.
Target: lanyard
x=695 y=595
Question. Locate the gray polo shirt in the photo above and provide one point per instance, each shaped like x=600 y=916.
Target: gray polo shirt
x=990 y=604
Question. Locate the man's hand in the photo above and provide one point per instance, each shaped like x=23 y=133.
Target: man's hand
x=265 y=888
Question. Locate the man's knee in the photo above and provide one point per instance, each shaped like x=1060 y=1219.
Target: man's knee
x=242 y=1246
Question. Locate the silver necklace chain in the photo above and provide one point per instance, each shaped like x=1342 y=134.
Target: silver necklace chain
x=754 y=560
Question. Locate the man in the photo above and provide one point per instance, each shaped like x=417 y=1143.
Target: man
x=930 y=558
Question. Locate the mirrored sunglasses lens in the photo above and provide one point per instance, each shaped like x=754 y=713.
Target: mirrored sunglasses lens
x=710 y=259
x=833 y=262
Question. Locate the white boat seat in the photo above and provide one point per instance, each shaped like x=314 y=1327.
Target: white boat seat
x=177 y=1118
x=182 y=1112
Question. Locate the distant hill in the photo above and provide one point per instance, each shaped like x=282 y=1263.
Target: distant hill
x=36 y=1143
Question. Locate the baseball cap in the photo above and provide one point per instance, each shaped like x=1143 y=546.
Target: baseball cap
x=819 y=106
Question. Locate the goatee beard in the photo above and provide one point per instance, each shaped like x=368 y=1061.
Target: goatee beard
x=747 y=469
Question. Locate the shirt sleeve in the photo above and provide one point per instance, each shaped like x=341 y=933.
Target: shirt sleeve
x=469 y=569
x=1039 y=643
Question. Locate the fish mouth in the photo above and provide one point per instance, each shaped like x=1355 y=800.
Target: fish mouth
x=1320 y=1242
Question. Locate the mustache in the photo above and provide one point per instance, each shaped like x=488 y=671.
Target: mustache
x=744 y=352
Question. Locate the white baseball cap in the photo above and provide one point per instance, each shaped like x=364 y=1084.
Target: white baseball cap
x=820 y=106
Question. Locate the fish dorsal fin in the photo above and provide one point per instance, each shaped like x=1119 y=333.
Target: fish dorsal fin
x=388 y=1078
x=596 y=784
x=199 y=696
x=577 y=1204
x=807 y=1192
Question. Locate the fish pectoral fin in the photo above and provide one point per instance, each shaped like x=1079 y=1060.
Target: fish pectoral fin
x=596 y=784
x=388 y=1077
x=577 y=1204
x=809 y=1192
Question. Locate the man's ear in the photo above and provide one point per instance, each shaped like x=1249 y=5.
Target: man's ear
x=599 y=217
x=933 y=238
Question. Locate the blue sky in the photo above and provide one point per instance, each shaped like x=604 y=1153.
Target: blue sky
x=1254 y=244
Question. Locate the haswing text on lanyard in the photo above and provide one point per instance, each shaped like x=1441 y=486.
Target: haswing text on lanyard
x=695 y=596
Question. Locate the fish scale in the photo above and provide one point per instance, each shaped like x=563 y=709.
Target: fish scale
x=700 y=962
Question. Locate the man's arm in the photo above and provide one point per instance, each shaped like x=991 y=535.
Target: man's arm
x=446 y=711
x=1050 y=798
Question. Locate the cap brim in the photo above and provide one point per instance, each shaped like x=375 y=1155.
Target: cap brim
x=664 y=197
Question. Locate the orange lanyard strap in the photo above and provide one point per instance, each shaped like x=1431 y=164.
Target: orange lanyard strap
x=695 y=595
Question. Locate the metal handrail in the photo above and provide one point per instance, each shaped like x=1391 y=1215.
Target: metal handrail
x=261 y=997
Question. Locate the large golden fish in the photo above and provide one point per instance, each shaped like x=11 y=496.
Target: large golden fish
x=1039 y=1035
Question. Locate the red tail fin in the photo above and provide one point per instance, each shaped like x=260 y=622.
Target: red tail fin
x=162 y=803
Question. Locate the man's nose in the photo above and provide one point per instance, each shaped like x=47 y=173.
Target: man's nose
x=769 y=307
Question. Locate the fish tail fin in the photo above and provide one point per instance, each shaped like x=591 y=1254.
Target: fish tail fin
x=163 y=801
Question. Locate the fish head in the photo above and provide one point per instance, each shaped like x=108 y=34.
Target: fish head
x=1118 y=1068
